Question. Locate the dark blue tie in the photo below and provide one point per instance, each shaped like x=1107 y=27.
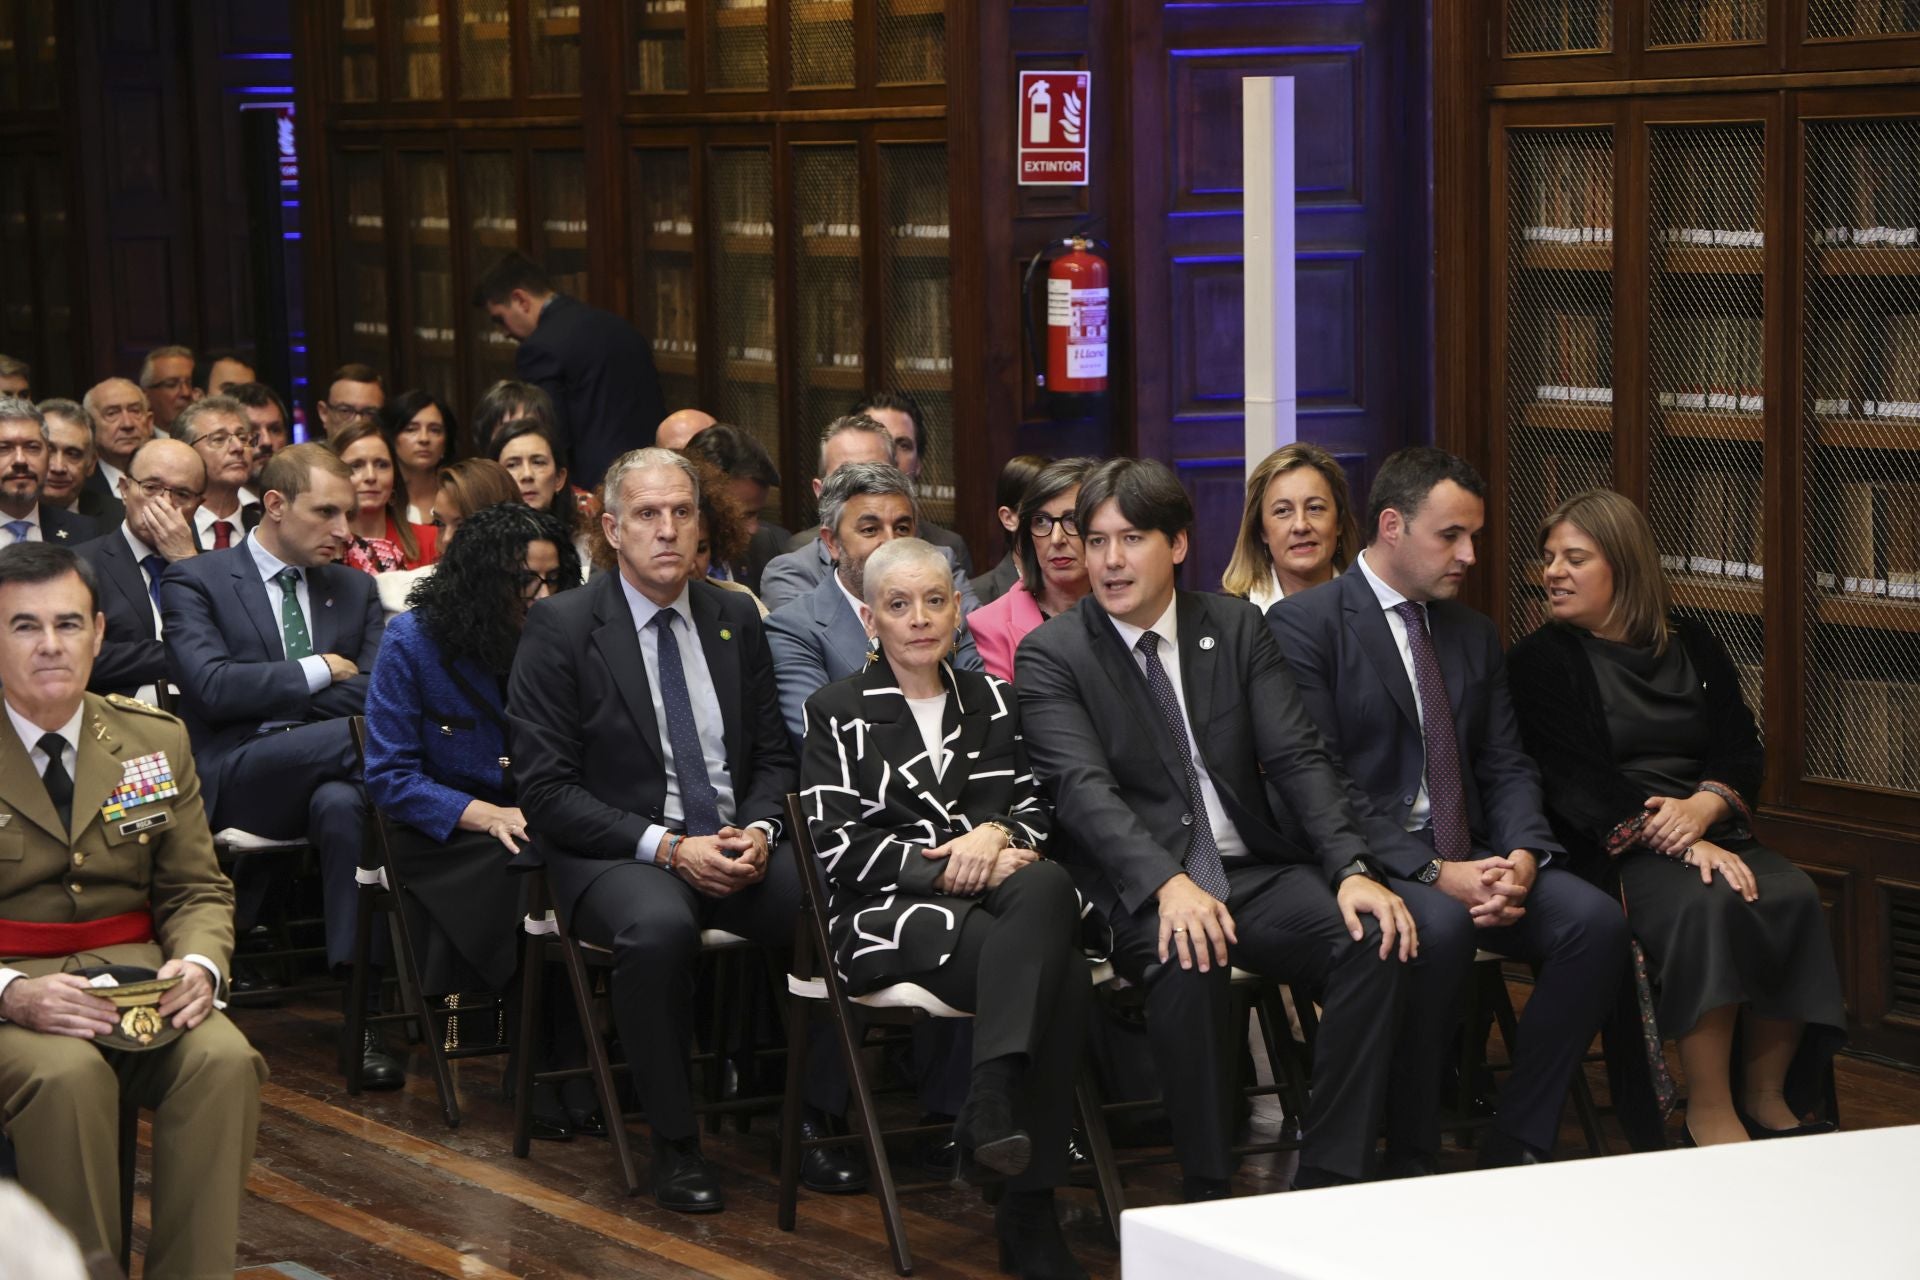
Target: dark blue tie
x=1203 y=852
x=155 y=566
x=699 y=804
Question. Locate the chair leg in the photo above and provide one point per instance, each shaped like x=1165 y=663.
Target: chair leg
x=1282 y=1058
x=869 y=1130
x=1588 y=1113
x=367 y=902
x=712 y=1078
x=533 y=976
x=1106 y=1173
x=129 y=1147
x=414 y=1000
x=602 y=1070
x=799 y=1018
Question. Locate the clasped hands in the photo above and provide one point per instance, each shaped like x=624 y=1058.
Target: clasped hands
x=62 y=1004
x=729 y=860
x=978 y=861
x=1494 y=890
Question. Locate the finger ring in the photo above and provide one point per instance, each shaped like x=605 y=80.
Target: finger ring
x=1180 y=929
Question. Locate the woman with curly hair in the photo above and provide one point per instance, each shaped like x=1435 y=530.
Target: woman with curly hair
x=470 y=485
x=437 y=760
x=379 y=539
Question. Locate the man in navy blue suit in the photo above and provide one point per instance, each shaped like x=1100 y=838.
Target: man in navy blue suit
x=596 y=366
x=25 y=450
x=1409 y=689
x=269 y=642
x=131 y=558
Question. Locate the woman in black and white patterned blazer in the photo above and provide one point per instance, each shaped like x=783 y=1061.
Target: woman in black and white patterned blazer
x=928 y=823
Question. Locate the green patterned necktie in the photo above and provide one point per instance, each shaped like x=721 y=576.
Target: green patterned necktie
x=293 y=624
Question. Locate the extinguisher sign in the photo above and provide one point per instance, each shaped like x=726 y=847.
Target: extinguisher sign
x=1055 y=113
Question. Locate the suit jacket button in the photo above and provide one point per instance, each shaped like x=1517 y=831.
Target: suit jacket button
x=76 y=887
x=1186 y=819
x=79 y=859
x=1407 y=800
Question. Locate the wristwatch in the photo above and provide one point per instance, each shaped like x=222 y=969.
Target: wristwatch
x=1429 y=873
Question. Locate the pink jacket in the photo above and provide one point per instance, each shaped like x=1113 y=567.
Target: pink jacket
x=998 y=629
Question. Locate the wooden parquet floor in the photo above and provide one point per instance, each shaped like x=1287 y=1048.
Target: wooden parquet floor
x=377 y=1187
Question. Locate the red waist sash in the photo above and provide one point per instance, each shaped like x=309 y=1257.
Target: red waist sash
x=39 y=941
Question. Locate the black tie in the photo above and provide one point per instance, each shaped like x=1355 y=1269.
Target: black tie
x=699 y=803
x=59 y=782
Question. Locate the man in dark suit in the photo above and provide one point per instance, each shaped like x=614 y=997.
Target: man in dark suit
x=25 y=447
x=219 y=431
x=269 y=642
x=129 y=562
x=1151 y=715
x=70 y=464
x=1409 y=688
x=597 y=368
x=652 y=766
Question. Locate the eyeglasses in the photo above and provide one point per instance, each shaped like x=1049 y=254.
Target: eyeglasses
x=115 y=412
x=221 y=439
x=1041 y=524
x=153 y=489
x=349 y=410
x=531 y=582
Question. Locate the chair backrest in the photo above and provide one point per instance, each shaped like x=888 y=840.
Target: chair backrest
x=810 y=946
x=166 y=699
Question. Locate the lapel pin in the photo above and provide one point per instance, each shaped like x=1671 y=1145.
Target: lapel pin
x=1206 y=642
x=725 y=634
x=59 y=533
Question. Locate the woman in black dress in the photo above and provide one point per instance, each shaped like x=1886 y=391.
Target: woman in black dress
x=1652 y=765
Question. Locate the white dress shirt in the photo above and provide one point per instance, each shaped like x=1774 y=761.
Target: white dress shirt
x=111 y=473
x=1422 y=807
x=30 y=735
x=32 y=519
x=1269 y=593
x=204 y=520
x=707 y=720
x=319 y=675
x=1226 y=837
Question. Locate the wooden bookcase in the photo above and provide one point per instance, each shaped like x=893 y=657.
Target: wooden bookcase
x=1701 y=284
x=761 y=186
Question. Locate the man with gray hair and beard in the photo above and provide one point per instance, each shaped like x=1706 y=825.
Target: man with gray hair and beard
x=650 y=756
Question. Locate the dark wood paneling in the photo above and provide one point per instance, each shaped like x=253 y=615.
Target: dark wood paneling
x=1363 y=355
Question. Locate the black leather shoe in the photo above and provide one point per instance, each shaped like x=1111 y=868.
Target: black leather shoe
x=588 y=1124
x=987 y=1132
x=1311 y=1177
x=1406 y=1164
x=1758 y=1132
x=1195 y=1190
x=1499 y=1151
x=548 y=1127
x=833 y=1171
x=379 y=1069
x=683 y=1181
x=1031 y=1245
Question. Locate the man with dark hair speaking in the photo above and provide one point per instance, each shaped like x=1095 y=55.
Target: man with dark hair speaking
x=109 y=862
x=596 y=366
x=1151 y=715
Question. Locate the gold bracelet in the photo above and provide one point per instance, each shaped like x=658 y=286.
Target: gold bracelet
x=1013 y=841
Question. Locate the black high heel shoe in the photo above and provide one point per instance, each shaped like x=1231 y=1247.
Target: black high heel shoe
x=986 y=1131
x=1760 y=1132
x=1031 y=1245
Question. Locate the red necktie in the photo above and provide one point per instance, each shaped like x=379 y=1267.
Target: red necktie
x=222 y=535
x=1446 y=796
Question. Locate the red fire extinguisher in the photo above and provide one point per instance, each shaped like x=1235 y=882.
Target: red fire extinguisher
x=1074 y=362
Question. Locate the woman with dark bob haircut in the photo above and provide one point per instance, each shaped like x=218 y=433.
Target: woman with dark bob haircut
x=437 y=761
x=1652 y=766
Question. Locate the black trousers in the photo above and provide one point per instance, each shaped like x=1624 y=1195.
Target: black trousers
x=303 y=781
x=1289 y=928
x=1578 y=937
x=652 y=919
x=1018 y=969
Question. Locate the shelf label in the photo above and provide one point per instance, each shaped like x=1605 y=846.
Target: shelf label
x=1054 y=118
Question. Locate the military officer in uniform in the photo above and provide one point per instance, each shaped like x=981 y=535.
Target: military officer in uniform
x=106 y=858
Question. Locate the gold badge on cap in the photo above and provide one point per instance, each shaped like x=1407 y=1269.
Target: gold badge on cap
x=141 y=1024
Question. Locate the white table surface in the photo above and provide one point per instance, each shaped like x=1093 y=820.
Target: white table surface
x=1844 y=1206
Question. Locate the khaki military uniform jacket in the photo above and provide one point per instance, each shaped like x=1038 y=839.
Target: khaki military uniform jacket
x=159 y=852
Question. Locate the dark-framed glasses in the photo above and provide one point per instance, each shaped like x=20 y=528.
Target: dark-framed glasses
x=530 y=582
x=154 y=488
x=1041 y=524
